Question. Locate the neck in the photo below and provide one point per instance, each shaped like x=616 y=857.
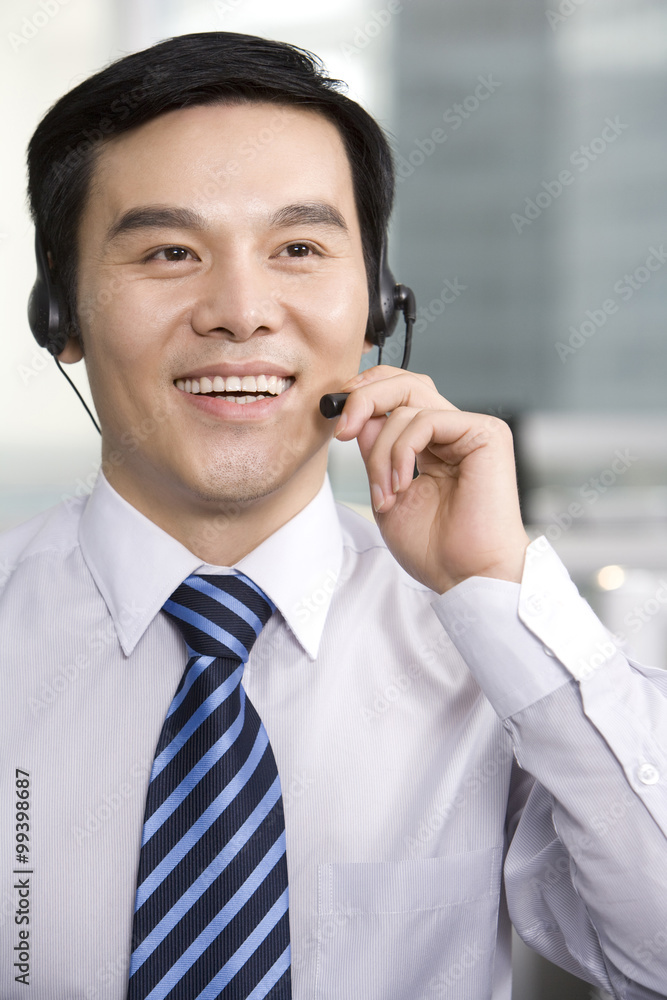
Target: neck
x=220 y=531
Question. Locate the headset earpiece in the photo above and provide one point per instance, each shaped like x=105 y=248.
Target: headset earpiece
x=389 y=300
x=383 y=309
x=44 y=306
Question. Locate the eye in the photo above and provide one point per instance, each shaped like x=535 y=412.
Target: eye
x=171 y=254
x=299 y=250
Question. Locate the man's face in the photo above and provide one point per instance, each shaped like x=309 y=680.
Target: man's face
x=217 y=242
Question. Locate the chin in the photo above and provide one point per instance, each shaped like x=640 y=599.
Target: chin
x=246 y=482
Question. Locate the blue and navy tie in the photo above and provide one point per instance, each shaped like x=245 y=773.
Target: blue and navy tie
x=211 y=912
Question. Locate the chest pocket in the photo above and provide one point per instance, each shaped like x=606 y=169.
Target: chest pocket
x=423 y=928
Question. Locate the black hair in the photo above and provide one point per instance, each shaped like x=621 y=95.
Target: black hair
x=185 y=71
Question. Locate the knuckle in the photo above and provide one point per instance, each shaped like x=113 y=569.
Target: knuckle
x=495 y=428
x=499 y=426
x=428 y=381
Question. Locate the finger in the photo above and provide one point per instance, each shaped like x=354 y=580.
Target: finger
x=405 y=435
x=439 y=441
x=379 y=372
x=384 y=394
x=376 y=442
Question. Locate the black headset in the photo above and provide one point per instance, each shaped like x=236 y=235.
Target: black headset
x=46 y=316
x=45 y=309
x=390 y=299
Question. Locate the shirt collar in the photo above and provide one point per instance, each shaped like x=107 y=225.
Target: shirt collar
x=137 y=566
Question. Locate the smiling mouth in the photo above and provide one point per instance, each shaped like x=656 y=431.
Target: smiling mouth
x=236 y=389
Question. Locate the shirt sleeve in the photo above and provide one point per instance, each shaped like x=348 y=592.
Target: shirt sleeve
x=585 y=874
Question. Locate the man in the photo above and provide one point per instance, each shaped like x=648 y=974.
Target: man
x=213 y=246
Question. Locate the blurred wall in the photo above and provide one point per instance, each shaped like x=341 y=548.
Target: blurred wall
x=532 y=203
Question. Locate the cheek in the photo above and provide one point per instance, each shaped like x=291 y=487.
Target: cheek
x=122 y=324
x=338 y=312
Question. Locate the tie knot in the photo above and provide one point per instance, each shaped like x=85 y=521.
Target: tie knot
x=219 y=615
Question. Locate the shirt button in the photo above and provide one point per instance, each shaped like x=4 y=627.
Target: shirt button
x=648 y=774
x=549 y=652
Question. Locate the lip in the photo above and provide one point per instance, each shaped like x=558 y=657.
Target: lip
x=238 y=368
x=224 y=409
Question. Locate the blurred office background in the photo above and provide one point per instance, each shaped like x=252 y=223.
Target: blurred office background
x=531 y=212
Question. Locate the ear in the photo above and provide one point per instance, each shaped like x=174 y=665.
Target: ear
x=72 y=351
x=367 y=346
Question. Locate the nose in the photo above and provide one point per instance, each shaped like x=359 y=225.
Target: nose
x=236 y=299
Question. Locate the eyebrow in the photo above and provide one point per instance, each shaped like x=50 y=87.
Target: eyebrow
x=313 y=213
x=154 y=217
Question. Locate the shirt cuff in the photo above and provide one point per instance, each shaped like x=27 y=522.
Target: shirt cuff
x=523 y=642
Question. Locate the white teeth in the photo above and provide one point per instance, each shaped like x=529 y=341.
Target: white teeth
x=272 y=385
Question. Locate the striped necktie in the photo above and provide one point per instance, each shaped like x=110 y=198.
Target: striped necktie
x=211 y=911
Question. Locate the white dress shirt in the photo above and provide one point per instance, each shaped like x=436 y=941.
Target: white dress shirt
x=394 y=714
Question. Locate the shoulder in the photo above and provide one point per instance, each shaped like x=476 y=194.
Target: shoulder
x=53 y=532
x=401 y=625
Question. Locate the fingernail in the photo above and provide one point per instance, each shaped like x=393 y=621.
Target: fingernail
x=377 y=496
x=395 y=482
x=340 y=426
